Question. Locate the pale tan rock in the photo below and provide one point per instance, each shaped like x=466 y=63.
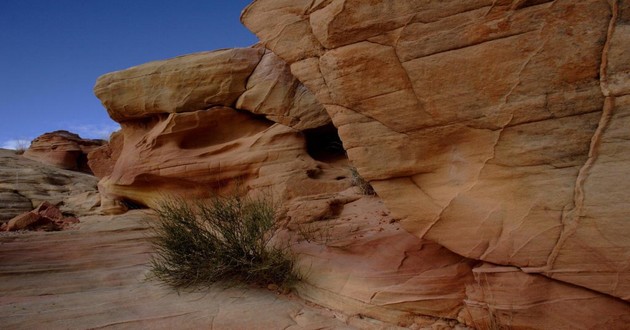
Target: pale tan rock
x=492 y=128
x=357 y=259
x=311 y=76
x=13 y=204
x=507 y=296
x=62 y=149
x=201 y=153
x=186 y=83
x=24 y=184
x=291 y=31
x=274 y=92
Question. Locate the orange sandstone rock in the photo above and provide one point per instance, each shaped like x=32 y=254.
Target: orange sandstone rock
x=203 y=123
x=492 y=128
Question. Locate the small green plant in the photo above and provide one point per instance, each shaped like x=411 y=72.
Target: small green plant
x=357 y=180
x=226 y=239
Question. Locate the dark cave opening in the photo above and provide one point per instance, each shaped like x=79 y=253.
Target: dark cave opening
x=323 y=144
x=132 y=205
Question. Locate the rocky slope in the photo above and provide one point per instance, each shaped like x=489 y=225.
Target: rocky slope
x=24 y=184
x=496 y=129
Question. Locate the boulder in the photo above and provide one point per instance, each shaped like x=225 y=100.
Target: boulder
x=25 y=221
x=495 y=129
x=62 y=149
x=45 y=217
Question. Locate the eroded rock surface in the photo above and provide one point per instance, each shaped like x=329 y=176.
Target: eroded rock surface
x=25 y=184
x=356 y=258
x=496 y=129
x=62 y=149
x=102 y=159
x=201 y=123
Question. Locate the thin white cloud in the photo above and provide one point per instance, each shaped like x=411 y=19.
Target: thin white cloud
x=87 y=131
x=91 y=131
x=16 y=144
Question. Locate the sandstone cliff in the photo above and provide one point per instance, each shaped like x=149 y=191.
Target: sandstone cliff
x=249 y=122
x=496 y=129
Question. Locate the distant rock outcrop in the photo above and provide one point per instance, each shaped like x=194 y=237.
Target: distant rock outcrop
x=25 y=184
x=62 y=149
x=496 y=129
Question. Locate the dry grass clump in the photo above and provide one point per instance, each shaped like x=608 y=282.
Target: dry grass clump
x=21 y=146
x=226 y=239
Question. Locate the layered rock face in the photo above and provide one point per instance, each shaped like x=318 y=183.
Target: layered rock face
x=62 y=149
x=202 y=123
x=25 y=184
x=496 y=129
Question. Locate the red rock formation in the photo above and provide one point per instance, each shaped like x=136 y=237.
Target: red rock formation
x=101 y=160
x=62 y=149
x=496 y=129
x=45 y=217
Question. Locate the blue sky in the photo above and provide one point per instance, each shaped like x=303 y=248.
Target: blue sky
x=52 y=51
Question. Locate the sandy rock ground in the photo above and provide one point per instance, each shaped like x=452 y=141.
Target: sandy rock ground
x=95 y=276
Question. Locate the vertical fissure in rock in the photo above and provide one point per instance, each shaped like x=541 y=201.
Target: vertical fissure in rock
x=571 y=218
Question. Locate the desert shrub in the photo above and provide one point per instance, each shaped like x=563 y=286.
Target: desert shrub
x=21 y=146
x=226 y=239
x=358 y=181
